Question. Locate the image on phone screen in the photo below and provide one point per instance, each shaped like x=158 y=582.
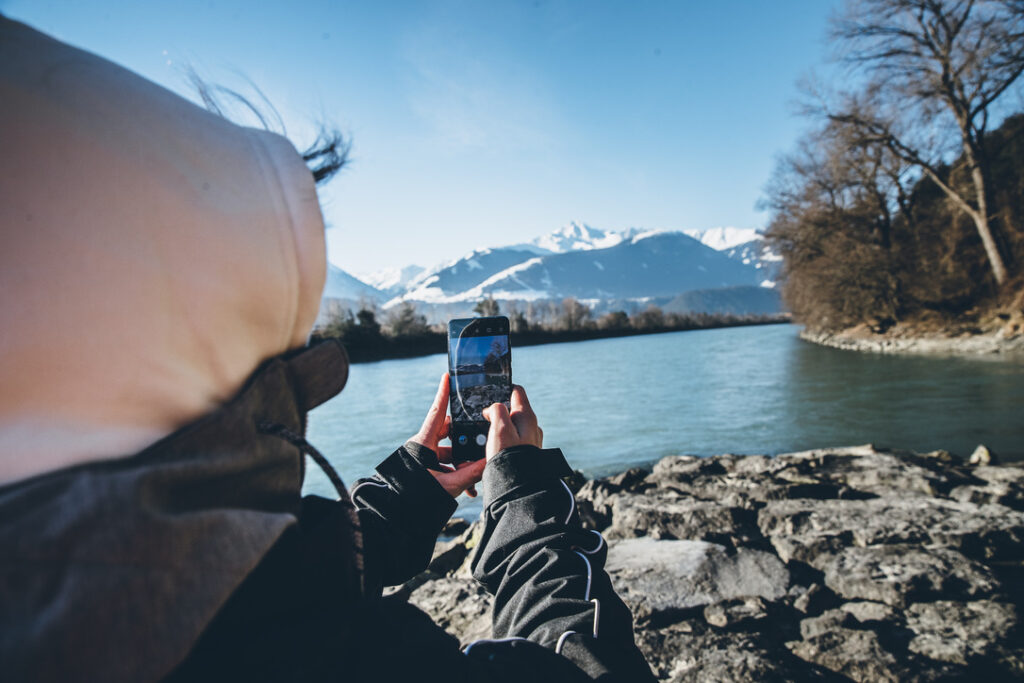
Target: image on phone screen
x=480 y=368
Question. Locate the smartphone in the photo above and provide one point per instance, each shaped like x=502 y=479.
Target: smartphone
x=480 y=369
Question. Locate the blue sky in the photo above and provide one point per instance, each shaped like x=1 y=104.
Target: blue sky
x=489 y=123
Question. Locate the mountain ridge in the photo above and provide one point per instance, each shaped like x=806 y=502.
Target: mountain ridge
x=579 y=261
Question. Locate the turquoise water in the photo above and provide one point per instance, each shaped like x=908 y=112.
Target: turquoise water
x=613 y=403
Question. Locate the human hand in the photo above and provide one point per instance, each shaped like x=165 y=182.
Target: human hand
x=456 y=479
x=512 y=429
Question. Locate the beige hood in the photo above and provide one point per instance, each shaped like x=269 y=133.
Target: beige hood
x=152 y=255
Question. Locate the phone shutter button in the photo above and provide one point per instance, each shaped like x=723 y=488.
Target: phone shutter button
x=462 y=439
x=481 y=439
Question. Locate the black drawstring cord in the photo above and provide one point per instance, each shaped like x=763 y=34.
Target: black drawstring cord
x=297 y=440
x=306 y=448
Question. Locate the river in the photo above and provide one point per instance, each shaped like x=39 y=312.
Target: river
x=614 y=403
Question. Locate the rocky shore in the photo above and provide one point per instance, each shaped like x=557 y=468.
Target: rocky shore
x=1008 y=340
x=839 y=564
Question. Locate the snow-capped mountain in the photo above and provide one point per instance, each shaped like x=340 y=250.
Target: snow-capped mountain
x=391 y=280
x=578 y=237
x=756 y=253
x=582 y=262
x=638 y=264
x=463 y=275
x=723 y=238
x=341 y=285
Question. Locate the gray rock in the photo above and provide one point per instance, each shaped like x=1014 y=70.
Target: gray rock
x=812 y=599
x=672 y=517
x=448 y=556
x=982 y=456
x=743 y=613
x=810 y=531
x=866 y=612
x=907 y=566
x=900 y=574
x=958 y=632
x=594 y=502
x=868 y=470
x=631 y=480
x=1002 y=485
x=454 y=527
x=827 y=622
x=461 y=607
x=669 y=577
x=683 y=468
x=727 y=480
x=858 y=655
x=685 y=652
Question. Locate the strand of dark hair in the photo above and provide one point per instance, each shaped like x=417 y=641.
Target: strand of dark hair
x=325 y=157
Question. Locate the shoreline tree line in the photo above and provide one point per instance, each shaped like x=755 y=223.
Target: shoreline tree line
x=902 y=204
x=403 y=331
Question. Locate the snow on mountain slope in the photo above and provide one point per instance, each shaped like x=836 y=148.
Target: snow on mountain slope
x=461 y=279
x=757 y=254
x=342 y=285
x=391 y=278
x=722 y=238
x=580 y=236
x=585 y=262
x=457 y=277
x=645 y=265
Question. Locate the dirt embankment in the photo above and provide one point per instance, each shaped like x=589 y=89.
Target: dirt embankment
x=996 y=333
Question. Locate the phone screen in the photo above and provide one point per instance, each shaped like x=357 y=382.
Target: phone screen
x=480 y=369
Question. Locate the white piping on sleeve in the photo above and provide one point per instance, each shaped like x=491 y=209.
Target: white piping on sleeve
x=597 y=614
x=572 y=501
x=561 y=641
x=586 y=595
x=600 y=543
x=466 y=649
x=368 y=482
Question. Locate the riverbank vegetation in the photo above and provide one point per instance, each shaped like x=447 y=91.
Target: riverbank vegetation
x=902 y=206
x=403 y=332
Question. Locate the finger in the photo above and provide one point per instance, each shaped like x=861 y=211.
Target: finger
x=435 y=416
x=502 y=433
x=469 y=473
x=446 y=428
x=462 y=478
x=523 y=416
x=444 y=454
x=519 y=402
x=501 y=421
x=471 y=492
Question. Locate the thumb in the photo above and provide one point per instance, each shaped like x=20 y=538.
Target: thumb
x=501 y=433
x=468 y=473
x=462 y=478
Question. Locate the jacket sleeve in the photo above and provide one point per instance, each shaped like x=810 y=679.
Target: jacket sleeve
x=547 y=573
x=402 y=509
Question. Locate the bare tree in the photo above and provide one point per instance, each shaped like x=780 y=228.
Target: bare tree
x=574 y=315
x=517 y=320
x=404 y=321
x=935 y=68
x=835 y=201
x=487 y=307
